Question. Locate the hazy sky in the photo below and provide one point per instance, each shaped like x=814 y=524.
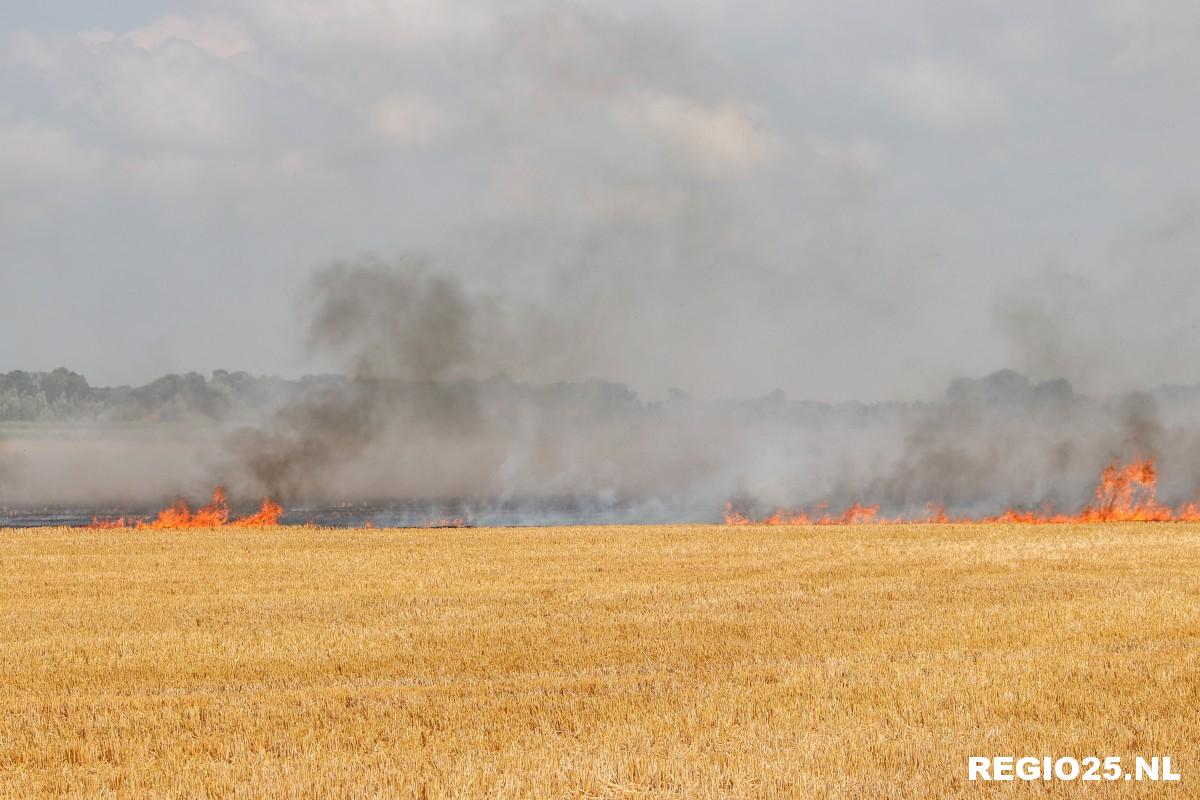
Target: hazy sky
x=845 y=200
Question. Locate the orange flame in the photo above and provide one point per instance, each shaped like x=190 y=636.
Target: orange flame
x=1124 y=494
x=267 y=516
x=214 y=515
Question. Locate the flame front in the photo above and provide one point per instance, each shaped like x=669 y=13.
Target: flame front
x=1124 y=494
x=214 y=515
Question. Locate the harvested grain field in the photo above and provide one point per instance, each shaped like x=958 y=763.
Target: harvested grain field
x=655 y=662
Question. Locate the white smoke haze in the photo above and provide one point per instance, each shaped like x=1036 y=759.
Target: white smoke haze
x=563 y=255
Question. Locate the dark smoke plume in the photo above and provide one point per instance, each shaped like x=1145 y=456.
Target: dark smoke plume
x=429 y=409
x=405 y=338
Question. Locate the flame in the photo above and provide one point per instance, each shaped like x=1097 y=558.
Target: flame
x=214 y=515
x=1124 y=494
x=268 y=516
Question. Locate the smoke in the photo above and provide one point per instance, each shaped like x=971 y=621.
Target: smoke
x=406 y=338
x=438 y=399
x=9 y=466
x=610 y=209
x=618 y=245
x=1112 y=328
x=436 y=408
x=430 y=409
x=395 y=324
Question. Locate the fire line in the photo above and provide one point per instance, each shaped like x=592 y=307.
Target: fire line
x=214 y=515
x=1124 y=494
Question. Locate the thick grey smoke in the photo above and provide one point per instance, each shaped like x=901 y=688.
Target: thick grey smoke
x=432 y=411
x=407 y=338
x=439 y=398
x=436 y=409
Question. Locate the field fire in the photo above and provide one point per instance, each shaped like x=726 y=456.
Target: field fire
x=478 y=400
x=218 y=514
x=1124 y=494
x=214 y=515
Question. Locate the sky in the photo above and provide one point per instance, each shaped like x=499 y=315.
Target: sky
x=856 y=200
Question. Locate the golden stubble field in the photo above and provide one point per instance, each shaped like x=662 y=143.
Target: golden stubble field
x=624 y=662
